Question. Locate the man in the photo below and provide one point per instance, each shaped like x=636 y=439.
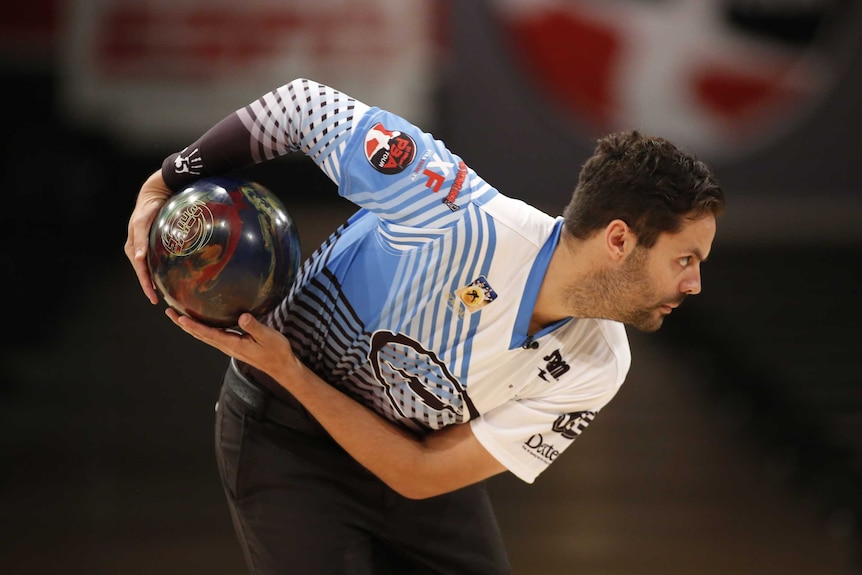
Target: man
x=445 y=334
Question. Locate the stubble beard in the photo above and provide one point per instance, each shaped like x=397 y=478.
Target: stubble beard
x=624 y=295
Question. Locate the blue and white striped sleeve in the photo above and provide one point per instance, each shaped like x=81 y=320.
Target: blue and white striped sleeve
x=409 y=179
x=300 y=116
x=379 y=161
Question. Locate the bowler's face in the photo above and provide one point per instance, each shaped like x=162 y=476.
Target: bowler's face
x=665 y=274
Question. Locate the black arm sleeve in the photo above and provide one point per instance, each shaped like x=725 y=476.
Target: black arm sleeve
x=223 y=148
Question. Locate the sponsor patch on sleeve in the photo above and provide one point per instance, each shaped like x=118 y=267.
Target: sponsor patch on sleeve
x=389 y=151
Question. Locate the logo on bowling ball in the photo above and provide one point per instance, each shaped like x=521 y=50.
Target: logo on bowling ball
x=188 y=228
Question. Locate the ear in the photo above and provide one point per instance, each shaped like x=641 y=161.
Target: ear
x=620 y=240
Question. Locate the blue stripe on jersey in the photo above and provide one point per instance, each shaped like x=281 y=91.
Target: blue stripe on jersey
x=324 y=134
x=405 y=306
x=484 y=193
x=520 y=333
x=472 y=239
x=456 y=254
x=382 y=196
x=406 y=206
x=488 y=246
x=470 y=234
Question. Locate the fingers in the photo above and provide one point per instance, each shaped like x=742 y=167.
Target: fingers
x=137 y=256
x=139 y=263
x=204 y=333
x=223 y=339
x=249 y=324
x=241 y=346
x=257 y=344
x=152 y=196
x=136 y=248
x=260 y=333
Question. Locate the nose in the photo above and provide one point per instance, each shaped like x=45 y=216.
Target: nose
x=691 y=285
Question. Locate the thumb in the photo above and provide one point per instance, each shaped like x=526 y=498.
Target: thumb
x=249 y=324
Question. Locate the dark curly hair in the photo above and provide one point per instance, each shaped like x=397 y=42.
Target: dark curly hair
x=645 y=181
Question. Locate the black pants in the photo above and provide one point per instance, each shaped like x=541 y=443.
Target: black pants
x=301 y=505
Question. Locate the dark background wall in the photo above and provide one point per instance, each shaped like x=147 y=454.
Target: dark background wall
x=734 y=446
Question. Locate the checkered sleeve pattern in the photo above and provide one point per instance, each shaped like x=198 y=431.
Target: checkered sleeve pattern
x=302 y=116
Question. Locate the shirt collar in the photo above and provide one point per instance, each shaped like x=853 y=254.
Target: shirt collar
x=520 y=335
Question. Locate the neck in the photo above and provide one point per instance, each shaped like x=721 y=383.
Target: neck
x=569 y=264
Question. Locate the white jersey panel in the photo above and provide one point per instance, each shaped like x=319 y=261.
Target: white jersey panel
x=575 y=372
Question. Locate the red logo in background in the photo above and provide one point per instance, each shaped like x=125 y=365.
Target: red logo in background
x=389 y=151
x=716 y=76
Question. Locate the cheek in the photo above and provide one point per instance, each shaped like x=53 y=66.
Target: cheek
x=649 y=289
x=664 y=283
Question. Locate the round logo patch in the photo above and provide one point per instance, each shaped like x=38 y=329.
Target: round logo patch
x=389 y=151
x=189 y=227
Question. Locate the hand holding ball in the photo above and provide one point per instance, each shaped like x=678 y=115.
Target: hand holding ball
x=221 y=247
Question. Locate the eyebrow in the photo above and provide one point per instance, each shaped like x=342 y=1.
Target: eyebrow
x=698 y=254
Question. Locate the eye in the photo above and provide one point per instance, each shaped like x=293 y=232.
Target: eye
x=684 y=262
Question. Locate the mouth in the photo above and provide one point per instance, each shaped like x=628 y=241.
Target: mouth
x=667 y=308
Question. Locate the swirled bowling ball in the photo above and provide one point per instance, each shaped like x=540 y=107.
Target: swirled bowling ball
x=221 y=247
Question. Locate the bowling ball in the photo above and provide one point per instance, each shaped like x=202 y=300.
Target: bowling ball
x=221 y=247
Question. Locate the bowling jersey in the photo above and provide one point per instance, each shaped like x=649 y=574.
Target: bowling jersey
x=419 y=306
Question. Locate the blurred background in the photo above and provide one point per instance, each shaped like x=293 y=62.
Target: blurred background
x=734 y=447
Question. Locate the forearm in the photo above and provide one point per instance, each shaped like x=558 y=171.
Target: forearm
x=222 y=149
x=416 y=467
